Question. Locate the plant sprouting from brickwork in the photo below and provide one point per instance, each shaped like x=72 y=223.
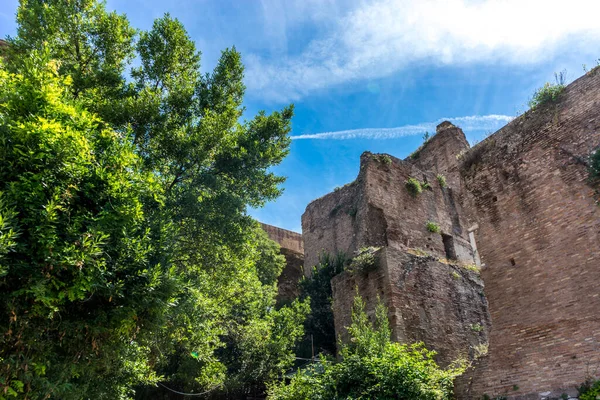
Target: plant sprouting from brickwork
x=414 y=187
x=364 y=260
x=477 y=327
x=426 y=185
x=441 y=180
x=384 y=159
x=550 y=92
x=432 y=227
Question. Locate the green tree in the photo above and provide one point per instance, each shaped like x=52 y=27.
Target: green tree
x=126 y=254
x=317 y=288
x=76 y=286
x=372 y=367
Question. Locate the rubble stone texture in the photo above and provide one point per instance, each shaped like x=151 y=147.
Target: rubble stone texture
x=520 y=203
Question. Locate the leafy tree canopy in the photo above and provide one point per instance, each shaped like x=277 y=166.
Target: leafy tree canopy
x=127 y=258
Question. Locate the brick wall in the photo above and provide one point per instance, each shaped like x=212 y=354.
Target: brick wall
x=292 y=248
x=539 y=237
x=428 y=301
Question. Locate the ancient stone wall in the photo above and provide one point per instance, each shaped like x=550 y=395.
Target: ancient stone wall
x=439 y=154
x=539 y=237
x=292 y=248
x=428 y=301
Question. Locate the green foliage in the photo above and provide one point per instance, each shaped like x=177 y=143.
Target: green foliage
x=126 y=254
x=589 y=390
x=413 y=186
x=432 y=227
x=426 y=186
x=441 y=180
x=364 y=260
x=550 y=92
x=317 y=287
x=372 y=367
x=426 y=137
x=477 y=327
x=384 y=159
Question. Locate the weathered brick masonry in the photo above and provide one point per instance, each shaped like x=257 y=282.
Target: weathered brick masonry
x=521 y=200
x=539 y=236
x=428 y=300
x=292 y=248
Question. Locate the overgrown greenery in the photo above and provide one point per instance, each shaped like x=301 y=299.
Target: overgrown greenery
x=364 y=260
x=384 y=158
x=432 y=227
x=441 y=180
x=414 y=186
x=589 y=390
x=372 y=367
x=550 y=92
x=126 y=254
x=317 y=288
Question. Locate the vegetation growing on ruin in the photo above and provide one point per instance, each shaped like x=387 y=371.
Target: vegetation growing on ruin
x=550 y=92
x=441 y=180
x=432 y=227
x=364 y=260
x=590 y=390
x=371 y=366
x=414 y=186
x=426 y=186
x=384 y=159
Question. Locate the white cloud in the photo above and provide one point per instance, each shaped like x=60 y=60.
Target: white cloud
x=470 y=123
x=378 y=38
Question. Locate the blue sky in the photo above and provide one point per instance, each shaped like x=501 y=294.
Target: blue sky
x=355 y=69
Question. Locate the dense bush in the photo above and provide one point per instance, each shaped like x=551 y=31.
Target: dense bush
x=317 y=287
x=432 y=227
x=364 y=260
x=372 y=367
x=590 y=391
x=413 y=186
x=550 y=92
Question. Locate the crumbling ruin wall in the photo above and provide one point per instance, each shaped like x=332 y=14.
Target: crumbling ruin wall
x=428 y=301
x=292 y=248
x=539 y=237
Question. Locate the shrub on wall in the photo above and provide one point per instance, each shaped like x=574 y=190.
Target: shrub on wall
x=442 y=180
x=364 y=261
x=589 y=391
x=414 y=186
x=550 y=92
x=432 y=227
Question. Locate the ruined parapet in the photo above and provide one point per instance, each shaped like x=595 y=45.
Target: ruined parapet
x=539 y=237
x=428 y=301
x=439 y=154
x=291 y=247
x=378 y=209
x=421 y=274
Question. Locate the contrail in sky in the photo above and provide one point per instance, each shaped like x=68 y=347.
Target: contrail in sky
x=470 y=123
